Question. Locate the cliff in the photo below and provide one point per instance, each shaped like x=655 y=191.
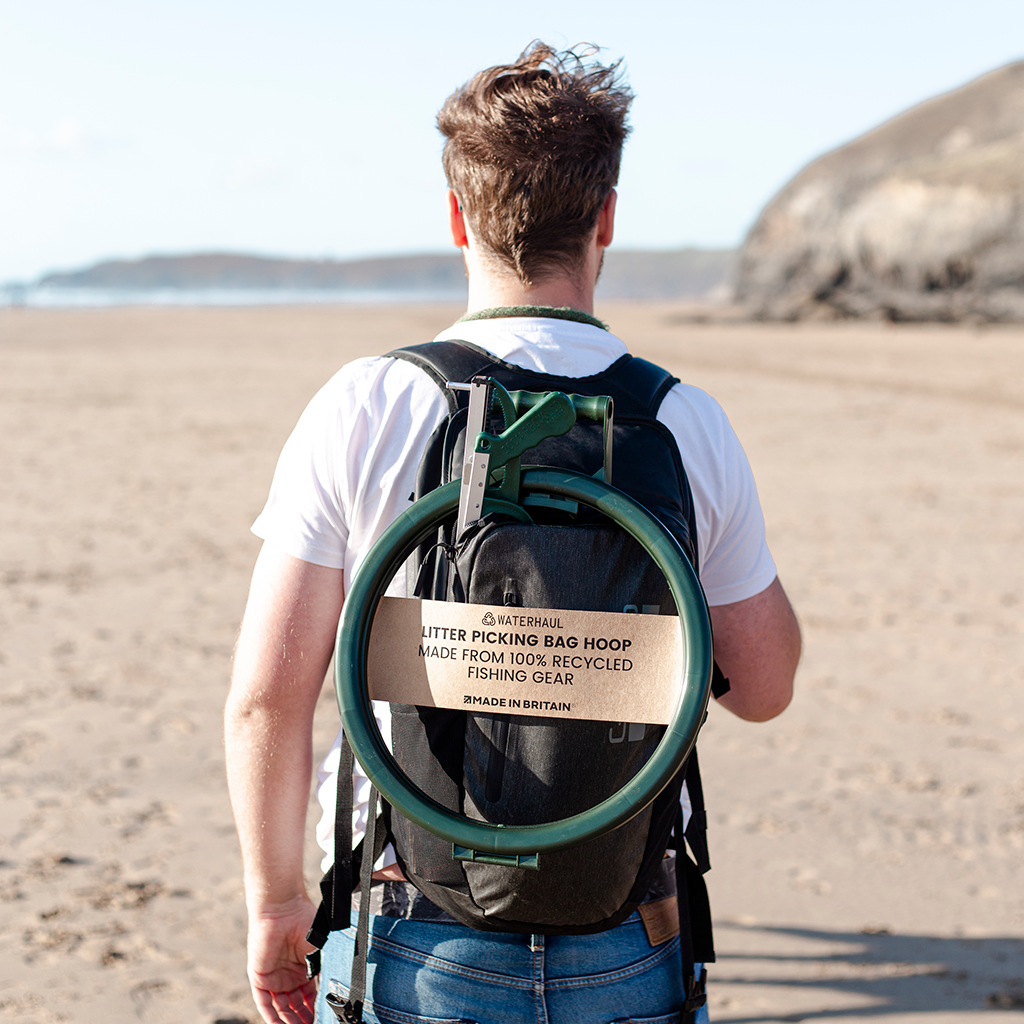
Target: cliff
x=920 y=219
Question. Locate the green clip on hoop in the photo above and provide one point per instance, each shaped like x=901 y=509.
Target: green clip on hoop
x=489 y=840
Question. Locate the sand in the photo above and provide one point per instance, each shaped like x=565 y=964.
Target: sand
x=866 y=845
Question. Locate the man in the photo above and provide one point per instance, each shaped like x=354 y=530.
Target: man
x=532 y=156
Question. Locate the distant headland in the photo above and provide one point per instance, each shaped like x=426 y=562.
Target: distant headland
x=688 y=273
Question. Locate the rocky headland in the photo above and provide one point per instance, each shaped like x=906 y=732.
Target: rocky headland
x=921 y=219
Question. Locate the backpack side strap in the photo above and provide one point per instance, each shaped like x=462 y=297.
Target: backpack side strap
x=337 y=885
x=695 y=942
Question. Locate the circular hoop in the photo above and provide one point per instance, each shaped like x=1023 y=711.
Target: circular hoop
x=395 y=545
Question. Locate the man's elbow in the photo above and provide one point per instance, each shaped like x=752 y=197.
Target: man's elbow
x=770 y=702
x=782 y=701
x=250 y=704
x=241 y=717
x=757 y=705
x=762 y=686
x=775 y=693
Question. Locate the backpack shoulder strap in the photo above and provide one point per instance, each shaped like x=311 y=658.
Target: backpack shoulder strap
x=645 y=382
x=443 y=361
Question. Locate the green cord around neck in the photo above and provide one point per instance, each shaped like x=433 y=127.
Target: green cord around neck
x=550 y=312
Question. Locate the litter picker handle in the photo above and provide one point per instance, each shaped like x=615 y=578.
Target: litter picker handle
x=599 y=408
x=551 y=416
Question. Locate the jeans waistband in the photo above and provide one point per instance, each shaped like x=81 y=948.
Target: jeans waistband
x=404 y=900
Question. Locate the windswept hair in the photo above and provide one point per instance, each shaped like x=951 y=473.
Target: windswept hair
x=532 y=150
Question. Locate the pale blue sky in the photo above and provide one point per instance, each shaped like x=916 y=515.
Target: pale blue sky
x=129 y=127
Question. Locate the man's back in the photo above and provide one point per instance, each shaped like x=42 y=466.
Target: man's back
x=532 y=155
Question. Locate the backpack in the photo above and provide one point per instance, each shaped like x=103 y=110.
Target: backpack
x=522 y=769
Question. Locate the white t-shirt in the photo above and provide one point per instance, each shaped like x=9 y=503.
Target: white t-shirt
x=349 y=469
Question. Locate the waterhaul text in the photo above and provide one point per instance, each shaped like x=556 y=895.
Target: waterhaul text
x=499 y=638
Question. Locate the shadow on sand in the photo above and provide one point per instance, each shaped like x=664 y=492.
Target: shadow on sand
x=768 y=973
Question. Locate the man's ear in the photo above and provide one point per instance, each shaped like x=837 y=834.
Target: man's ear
x=606 y=221
x=456 y=221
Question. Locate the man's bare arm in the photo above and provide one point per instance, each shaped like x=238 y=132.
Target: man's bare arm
x=283 y=652
x=757 y=646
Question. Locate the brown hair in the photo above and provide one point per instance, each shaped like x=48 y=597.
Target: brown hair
x=532 y=151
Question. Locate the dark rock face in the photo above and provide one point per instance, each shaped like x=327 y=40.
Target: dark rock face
x=920 y=219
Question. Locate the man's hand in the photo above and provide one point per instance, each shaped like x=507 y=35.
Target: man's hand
x=277 y=965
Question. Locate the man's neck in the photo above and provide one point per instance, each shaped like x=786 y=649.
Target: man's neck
x=491 y=290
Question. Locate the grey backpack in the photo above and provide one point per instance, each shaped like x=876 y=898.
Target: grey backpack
x=521 y=769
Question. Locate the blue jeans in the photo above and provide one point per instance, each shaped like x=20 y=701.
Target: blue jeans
x=419 y=972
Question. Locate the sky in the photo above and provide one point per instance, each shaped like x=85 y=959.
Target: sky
x=130 y=127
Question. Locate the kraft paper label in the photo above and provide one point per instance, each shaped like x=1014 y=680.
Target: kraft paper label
x=601 y=666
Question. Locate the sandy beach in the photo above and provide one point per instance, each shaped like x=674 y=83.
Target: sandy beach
x=866 y=845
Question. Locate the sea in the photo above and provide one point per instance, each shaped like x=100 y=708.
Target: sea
x=31 y=297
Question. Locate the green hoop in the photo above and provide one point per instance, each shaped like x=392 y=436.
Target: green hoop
x=382 y=562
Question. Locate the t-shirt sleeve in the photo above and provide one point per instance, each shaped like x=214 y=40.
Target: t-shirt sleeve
x=347 y=470
x=305 y=514
x=735 y=562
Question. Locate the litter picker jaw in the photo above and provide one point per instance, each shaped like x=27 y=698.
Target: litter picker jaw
x=476 y=465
